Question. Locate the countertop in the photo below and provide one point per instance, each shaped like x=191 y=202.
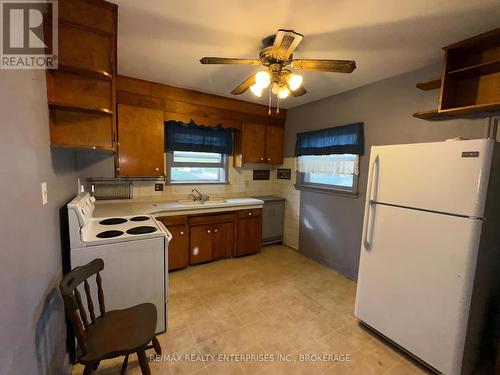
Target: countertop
x=163 y=208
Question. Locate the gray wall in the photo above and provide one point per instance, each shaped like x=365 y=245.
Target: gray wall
x=331 y=225
x=32 y=325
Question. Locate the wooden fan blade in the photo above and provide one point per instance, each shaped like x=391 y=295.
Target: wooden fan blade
x=299 y=92
x=336 y=66
x=223 y=60
x=244 y=86
x=286 y=42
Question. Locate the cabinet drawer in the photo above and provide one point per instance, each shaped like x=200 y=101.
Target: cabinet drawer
x=249 y=213
x=173 y=220
x=209 y=219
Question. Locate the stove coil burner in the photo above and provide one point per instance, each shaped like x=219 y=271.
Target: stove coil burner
x=113 y=221
x=142 y=230
x=110 y=234
x=139 y=218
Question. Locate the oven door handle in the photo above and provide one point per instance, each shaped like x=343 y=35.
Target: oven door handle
x=164 y=228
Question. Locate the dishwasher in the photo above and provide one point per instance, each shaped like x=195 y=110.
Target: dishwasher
x=273 y=213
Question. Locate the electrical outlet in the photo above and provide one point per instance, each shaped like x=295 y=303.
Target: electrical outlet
x=44 y=193
x=158 y=187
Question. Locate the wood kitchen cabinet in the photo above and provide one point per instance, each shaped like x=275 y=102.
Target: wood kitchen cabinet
x=249 y=232
x=81 y=92
x=257 y=143
x=178 y=248
x=223 y=240
x=211 y=237
x=140 y=142
x=201 y=244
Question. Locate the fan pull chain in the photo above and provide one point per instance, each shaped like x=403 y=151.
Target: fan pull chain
x=270 y=97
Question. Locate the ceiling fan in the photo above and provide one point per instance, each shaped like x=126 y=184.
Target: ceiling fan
x=277 y=57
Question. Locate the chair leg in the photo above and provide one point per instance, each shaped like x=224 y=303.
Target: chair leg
x=143 y=362
x=156 y=345
x=88 y=370
x=124 y=366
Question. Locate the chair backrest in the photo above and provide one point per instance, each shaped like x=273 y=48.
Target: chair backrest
x=73 y=305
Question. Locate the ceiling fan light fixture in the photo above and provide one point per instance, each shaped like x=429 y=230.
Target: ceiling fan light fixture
x=294 y=81
x=263 y=79
x=283 y=92
x=256 y=89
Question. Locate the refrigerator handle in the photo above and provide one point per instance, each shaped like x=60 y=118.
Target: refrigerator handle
x=369 y=203
x=367 y=243
x=372 y=177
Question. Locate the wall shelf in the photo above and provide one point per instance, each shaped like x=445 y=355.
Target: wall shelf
x=74 y=108
x=476 y=70
x=429 y=85
x=90 y=73
x=485 y=109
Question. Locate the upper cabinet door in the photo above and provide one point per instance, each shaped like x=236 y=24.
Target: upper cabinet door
x=141 y=141
x=274 y=145
x=254 y=143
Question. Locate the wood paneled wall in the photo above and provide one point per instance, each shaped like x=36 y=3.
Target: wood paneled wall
x=183 y=105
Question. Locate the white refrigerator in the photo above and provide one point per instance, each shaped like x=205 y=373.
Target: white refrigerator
x=423 y=231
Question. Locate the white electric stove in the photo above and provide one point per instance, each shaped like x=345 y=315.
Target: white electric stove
x=135 y=254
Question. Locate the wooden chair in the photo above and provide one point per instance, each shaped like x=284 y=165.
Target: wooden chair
x=113 y=333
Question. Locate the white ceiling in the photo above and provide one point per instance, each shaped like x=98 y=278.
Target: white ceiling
x=163 y=41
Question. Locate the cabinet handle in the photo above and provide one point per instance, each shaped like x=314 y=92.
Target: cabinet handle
x=157 y=169
x=209 y=231
x=215 y=230
x=261 y=158
x=249 y=214
x=182 y=233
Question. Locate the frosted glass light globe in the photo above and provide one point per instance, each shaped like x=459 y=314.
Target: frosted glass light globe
x=256 y=89
x=294 y=81
x=262 y=79
x=283 y=92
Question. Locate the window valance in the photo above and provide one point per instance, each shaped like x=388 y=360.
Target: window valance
x=346 y=139
x=198 y=138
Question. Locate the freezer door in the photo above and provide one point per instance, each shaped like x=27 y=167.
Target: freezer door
x=449 y=177
x=415 y=281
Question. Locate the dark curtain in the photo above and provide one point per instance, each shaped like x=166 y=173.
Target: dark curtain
x=193 y=137
x=346 y=139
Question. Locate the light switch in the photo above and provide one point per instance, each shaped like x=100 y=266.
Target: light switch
x=44 y=193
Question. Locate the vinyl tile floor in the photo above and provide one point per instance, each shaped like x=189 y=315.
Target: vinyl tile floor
x=276 y=312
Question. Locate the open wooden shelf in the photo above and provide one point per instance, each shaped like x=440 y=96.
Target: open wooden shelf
x=429 y=85
x=425 y=115
x=458 y=111
x=476 y=70
x=74 y=108
x=90 y=73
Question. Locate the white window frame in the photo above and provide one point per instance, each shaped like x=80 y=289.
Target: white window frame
x=302 y=184
x=224 y=165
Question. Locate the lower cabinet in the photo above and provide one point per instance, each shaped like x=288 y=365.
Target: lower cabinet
x=223 y=240
x=203 y=238
x=211 y=242
x=178 y=248
x=249 y=232
x=201 y=244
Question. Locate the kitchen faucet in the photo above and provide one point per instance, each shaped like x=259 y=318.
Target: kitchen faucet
x=200 y=197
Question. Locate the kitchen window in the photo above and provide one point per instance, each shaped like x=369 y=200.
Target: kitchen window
x=328 y=159
x=197 y=154
x=329 y=173
x=190 y=167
